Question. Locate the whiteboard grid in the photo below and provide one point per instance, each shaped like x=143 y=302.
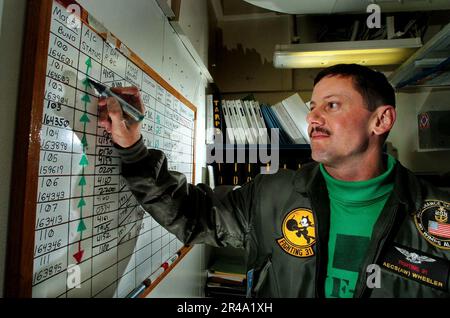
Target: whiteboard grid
x=85 y=214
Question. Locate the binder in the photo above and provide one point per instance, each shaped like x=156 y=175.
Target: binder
x=253 y=121
x=262 y=125
x=228 y=123
x=237 y=132
x=219 y=122
x=209 y=119
x=239 y=123
x=298 y=111
x=288 y=124
x=244 y=121
x=272 y=122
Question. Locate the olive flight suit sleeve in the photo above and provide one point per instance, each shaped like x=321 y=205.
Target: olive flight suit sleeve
x=194 y=214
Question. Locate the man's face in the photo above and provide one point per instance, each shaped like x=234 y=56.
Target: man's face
x=338 y=123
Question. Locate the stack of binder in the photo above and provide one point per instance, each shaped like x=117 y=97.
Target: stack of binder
x=226 y=278
x=246 y=122
x=289 y=117
x=249 y=122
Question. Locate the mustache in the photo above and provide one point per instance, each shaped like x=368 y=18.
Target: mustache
x=319 y=129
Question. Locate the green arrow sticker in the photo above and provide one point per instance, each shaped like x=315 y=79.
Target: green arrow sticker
x=85 y=118
x=82 y=181
x=86 y=98
x=86 y=83
x=81 y=226
x=84 y=141
x=84 y=161
x=81 y=203
x=88 y=64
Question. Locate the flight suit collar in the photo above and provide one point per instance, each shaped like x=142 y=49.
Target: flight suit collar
x=407 y=188
x=306 y=176
x=406 y=185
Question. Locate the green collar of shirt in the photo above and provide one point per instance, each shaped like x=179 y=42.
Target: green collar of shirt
x=360 y=192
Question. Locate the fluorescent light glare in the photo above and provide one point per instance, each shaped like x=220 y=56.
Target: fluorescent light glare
x=318 y=55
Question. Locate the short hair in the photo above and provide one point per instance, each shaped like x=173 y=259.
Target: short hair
x=372 y=85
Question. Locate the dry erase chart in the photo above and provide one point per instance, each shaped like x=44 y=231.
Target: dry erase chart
x=85 y=214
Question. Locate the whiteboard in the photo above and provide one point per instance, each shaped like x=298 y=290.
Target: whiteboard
x=85 y=214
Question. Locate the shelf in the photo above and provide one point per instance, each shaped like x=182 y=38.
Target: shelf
x=427 y=67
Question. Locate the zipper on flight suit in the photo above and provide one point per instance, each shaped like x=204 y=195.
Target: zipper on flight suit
x=379 y=238
x=320 y=207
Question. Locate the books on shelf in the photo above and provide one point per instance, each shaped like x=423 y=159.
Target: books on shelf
x=209 y=119
x=225 y=290
x=243 y=122
x=252 y=120
x=288 y=124
x=235 y=121
x=272 y=121
x=228 y=123
x=227 y=268
x=249 y=121
x=298 y=110
x=226 y=278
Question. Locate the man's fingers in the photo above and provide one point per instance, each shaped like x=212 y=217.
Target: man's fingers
x=107 y=125
x=132 y=95
x=103 y=118
x=102 y=102
x=114 y=111
x=131 y=90
x=137 y=101
x=102 y=109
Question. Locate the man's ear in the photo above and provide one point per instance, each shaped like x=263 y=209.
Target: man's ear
x=383 y=119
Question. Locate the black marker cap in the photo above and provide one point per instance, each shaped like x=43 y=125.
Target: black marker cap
x=98 y=87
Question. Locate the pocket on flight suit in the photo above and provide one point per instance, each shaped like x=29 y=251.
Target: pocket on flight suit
x=263 y=286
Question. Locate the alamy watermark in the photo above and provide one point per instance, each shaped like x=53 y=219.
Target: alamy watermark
x=374 y=19
x=374 y=277
x=223 y=151
x=73 y=276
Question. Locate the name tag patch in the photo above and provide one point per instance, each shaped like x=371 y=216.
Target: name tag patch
x=416 y=265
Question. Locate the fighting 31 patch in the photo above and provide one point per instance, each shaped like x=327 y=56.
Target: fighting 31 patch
x=299 y=233
x=433 y=223
x=416 y=265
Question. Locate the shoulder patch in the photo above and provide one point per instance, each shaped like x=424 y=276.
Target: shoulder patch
x=299 y=233
x=433 y=223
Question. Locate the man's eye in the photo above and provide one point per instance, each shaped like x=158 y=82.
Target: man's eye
x=333 y=105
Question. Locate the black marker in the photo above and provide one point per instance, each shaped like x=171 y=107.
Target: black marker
x=104 y=91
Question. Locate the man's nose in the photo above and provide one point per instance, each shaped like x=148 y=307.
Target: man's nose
x=314 y=117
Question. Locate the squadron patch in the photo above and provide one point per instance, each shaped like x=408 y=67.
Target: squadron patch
x=299 y=233
x=432 y=222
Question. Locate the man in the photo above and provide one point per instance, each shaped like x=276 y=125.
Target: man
x=358 y=224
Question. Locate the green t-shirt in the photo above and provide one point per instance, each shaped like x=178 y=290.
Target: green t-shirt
x=355 y=207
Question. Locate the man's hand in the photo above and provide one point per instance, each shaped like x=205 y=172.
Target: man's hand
x=125 y=131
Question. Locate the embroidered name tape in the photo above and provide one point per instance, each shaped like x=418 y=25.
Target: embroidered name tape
x=416 y=265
